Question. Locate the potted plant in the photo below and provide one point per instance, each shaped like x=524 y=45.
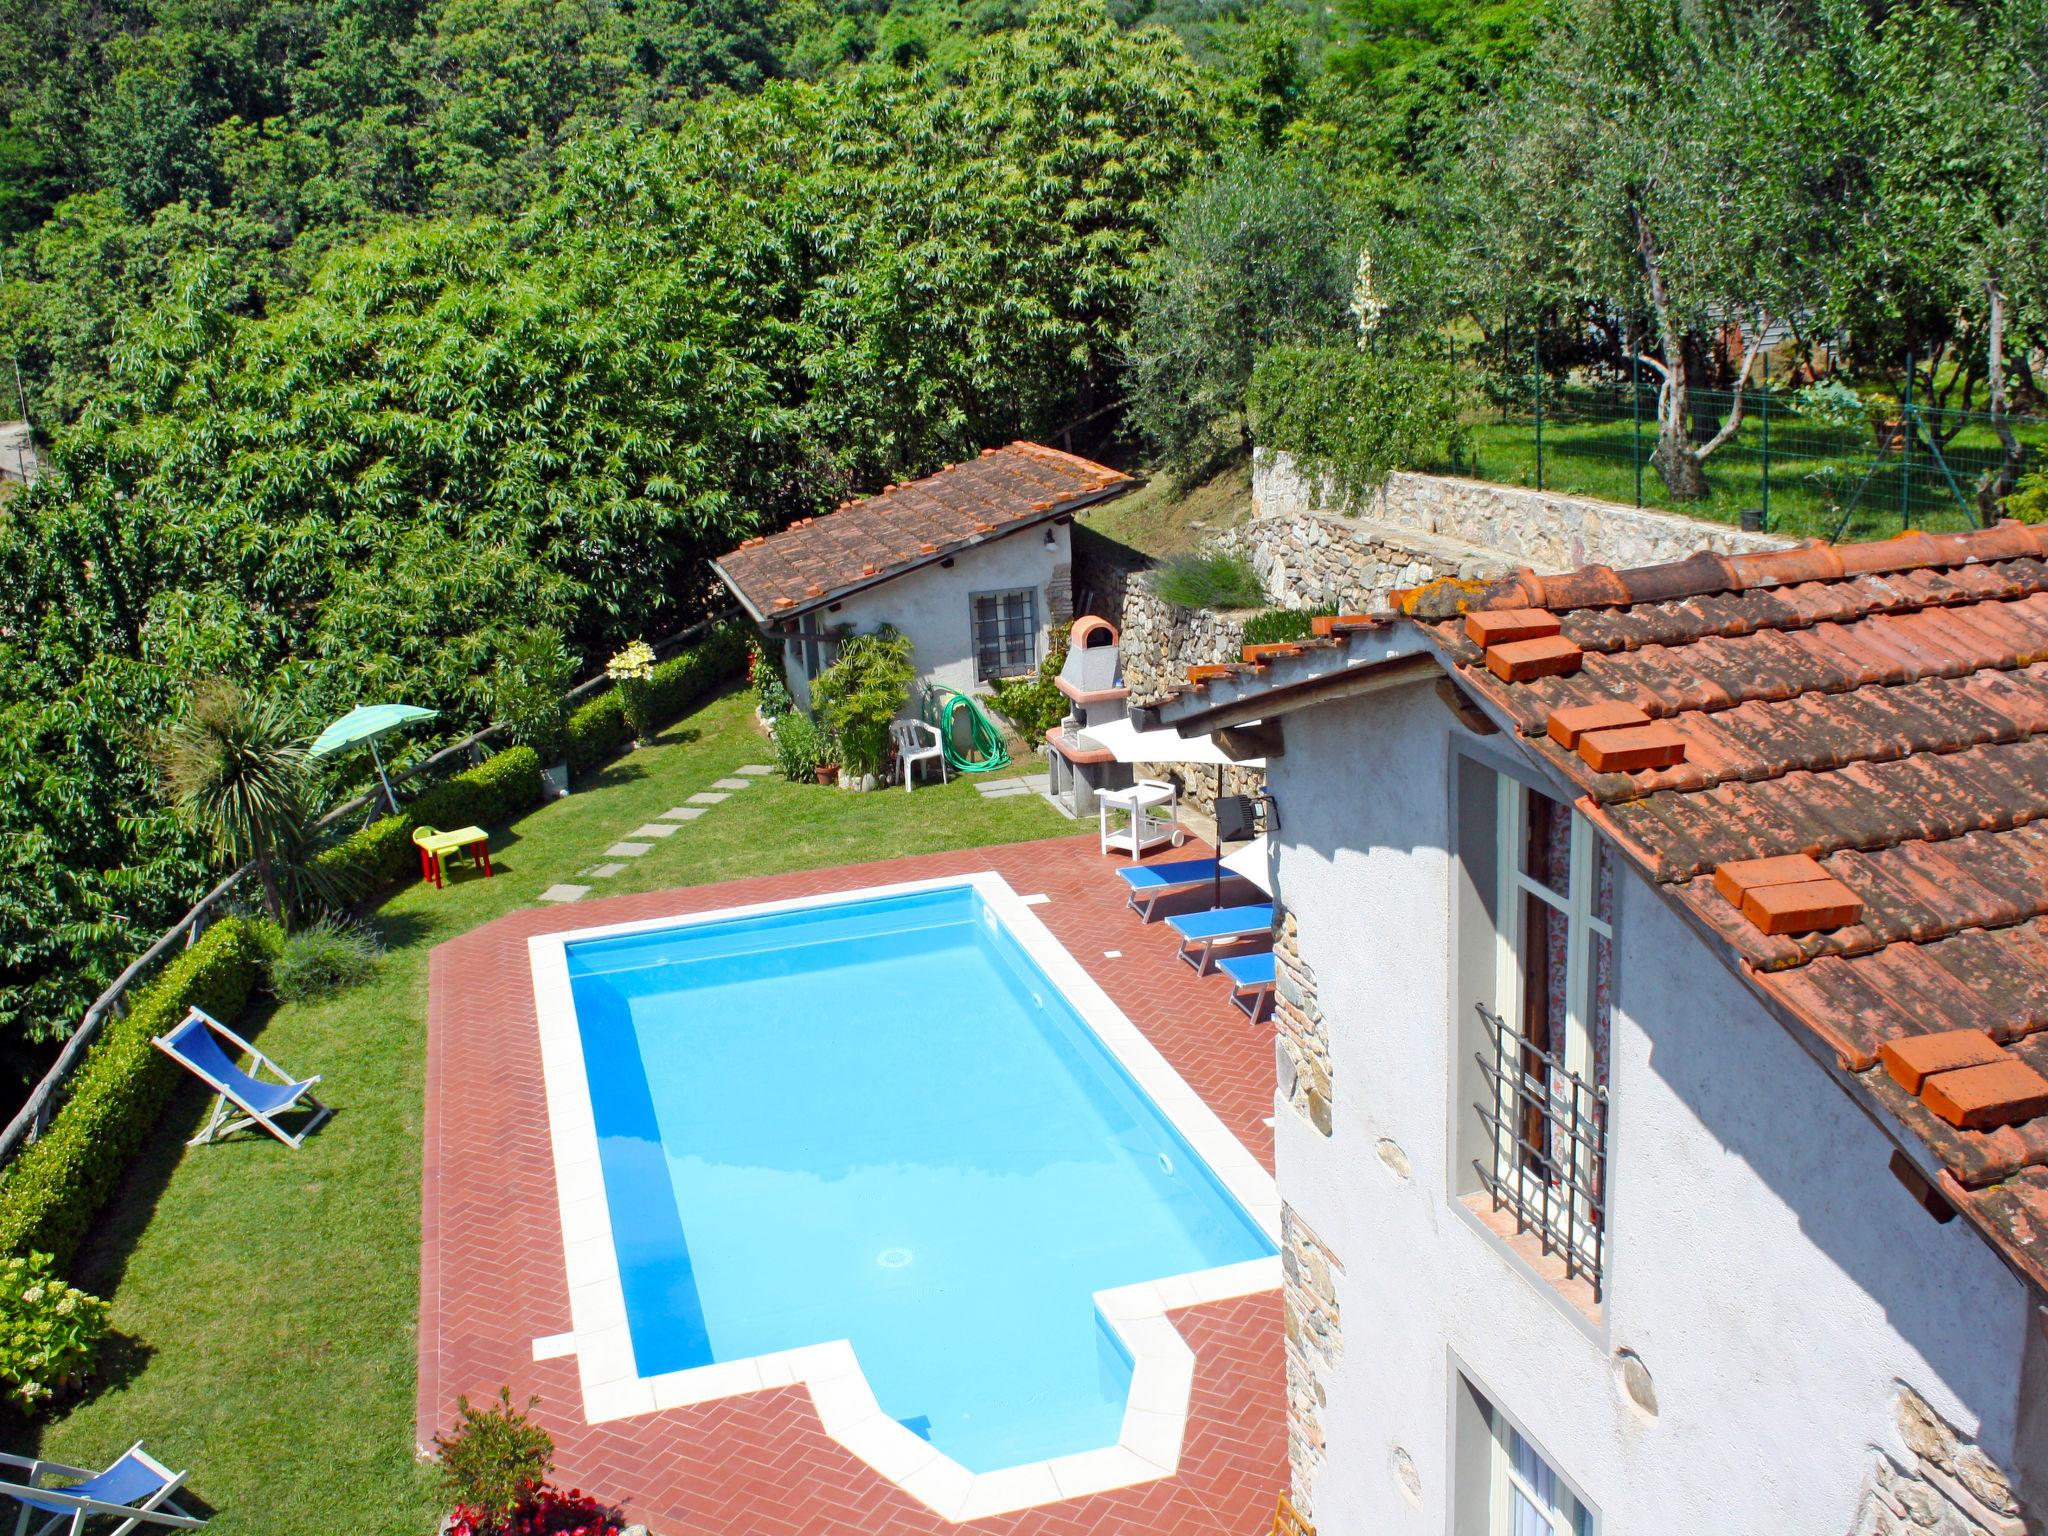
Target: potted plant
x=860 y=695
x=632 y=673
x=529 y=694
x=827 y=770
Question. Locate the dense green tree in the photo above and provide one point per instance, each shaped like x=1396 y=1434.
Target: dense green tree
x=1250 y=258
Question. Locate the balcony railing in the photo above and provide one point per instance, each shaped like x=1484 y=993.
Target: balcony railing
x=1546 y=1161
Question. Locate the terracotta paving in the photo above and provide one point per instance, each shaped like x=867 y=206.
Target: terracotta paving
x=762 y=1465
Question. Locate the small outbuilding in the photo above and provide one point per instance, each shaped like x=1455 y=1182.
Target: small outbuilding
x=973 y=563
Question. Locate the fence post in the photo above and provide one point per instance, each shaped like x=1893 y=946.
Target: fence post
x=1536 y=357
x=1906 y=449
x=1635 y=416
x=1767 y=441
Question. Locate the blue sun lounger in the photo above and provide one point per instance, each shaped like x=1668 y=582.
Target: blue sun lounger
x=194 y=1047
x=137 y=1486
x=1150 y=883
x=1202 y=933
x=1251 y=982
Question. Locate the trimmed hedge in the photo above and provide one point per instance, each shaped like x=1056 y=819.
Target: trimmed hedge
x=52 y=1191
x=598 y=729
x=488 y=795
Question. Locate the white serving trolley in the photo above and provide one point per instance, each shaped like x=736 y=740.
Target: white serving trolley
x=1141 y=818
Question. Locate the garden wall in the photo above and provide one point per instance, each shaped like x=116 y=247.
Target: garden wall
x=1541 y=529
x=1310 y=550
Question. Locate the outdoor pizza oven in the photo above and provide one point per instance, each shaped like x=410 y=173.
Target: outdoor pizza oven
x=1093 y=681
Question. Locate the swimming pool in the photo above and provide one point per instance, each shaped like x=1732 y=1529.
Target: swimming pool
x=897 y=1146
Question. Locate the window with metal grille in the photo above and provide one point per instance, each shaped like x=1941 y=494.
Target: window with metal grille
x=1545 y=1162
x=1005 y=633
x=1543 y=1003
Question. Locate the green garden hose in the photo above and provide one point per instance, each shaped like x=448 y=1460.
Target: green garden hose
x=941 y=704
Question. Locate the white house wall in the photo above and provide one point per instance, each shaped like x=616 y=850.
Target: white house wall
x=1771 y=1274
x=932 y=605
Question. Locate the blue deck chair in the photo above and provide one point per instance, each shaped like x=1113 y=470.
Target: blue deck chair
x=1151 y=883
x=1203 y=933
x=193 y=1046
x=1251 y=983
x=137 y=1486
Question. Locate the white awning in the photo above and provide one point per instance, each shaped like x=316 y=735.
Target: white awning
x=1132 y=745
x=1250 y=862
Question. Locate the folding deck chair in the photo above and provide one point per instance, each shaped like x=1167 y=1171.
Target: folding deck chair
x=1203 y=933
x=137 y=1486
x=193 y=1046
x=1251 y=983
x=1152 y=883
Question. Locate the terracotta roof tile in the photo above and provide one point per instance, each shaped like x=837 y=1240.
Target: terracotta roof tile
x=1883 y=708
x=908 y=525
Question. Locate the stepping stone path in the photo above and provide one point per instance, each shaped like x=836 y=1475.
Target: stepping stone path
x=1002 y=789
x=670 y=822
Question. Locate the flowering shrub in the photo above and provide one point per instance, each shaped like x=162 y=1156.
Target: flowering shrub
x=545 y=1512
x=764 y=676
x=632 y=670
x=494 y=1463
x=49 y=1331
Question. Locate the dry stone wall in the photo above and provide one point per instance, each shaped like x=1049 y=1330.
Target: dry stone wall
x=1540 y=529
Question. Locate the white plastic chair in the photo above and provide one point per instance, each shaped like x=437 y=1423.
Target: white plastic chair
x=918 y=741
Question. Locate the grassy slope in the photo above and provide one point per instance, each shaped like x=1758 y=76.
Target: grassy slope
x=271 y=1296
x=1155 y=520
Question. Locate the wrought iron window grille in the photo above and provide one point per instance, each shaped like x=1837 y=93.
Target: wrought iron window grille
x=1547 y=1139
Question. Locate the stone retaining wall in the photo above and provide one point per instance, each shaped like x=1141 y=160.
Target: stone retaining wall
x=1541 y=529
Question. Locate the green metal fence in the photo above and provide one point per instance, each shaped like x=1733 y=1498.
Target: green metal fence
x=1788 y=468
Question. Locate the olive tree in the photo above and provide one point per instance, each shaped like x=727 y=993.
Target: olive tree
x=1251 y=258
x=1631 y=169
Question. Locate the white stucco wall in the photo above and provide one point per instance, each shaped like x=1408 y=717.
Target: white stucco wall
x=932 y=605
x=1772 y=1275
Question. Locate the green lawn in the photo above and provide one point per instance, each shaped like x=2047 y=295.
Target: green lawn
x=269 y=1299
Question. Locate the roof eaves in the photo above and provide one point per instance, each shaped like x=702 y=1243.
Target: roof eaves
x=738 y=591
x=1292 y=678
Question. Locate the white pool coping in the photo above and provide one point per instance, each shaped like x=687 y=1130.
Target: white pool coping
x=1162 y=1365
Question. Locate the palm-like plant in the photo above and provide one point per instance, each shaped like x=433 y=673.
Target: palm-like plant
x=237 y=771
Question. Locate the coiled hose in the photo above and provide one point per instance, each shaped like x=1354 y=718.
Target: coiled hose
x=941 y=704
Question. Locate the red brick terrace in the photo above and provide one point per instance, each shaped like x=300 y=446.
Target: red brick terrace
x=491 y=1248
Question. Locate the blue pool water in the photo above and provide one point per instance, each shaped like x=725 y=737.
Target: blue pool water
x=878 y=1120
